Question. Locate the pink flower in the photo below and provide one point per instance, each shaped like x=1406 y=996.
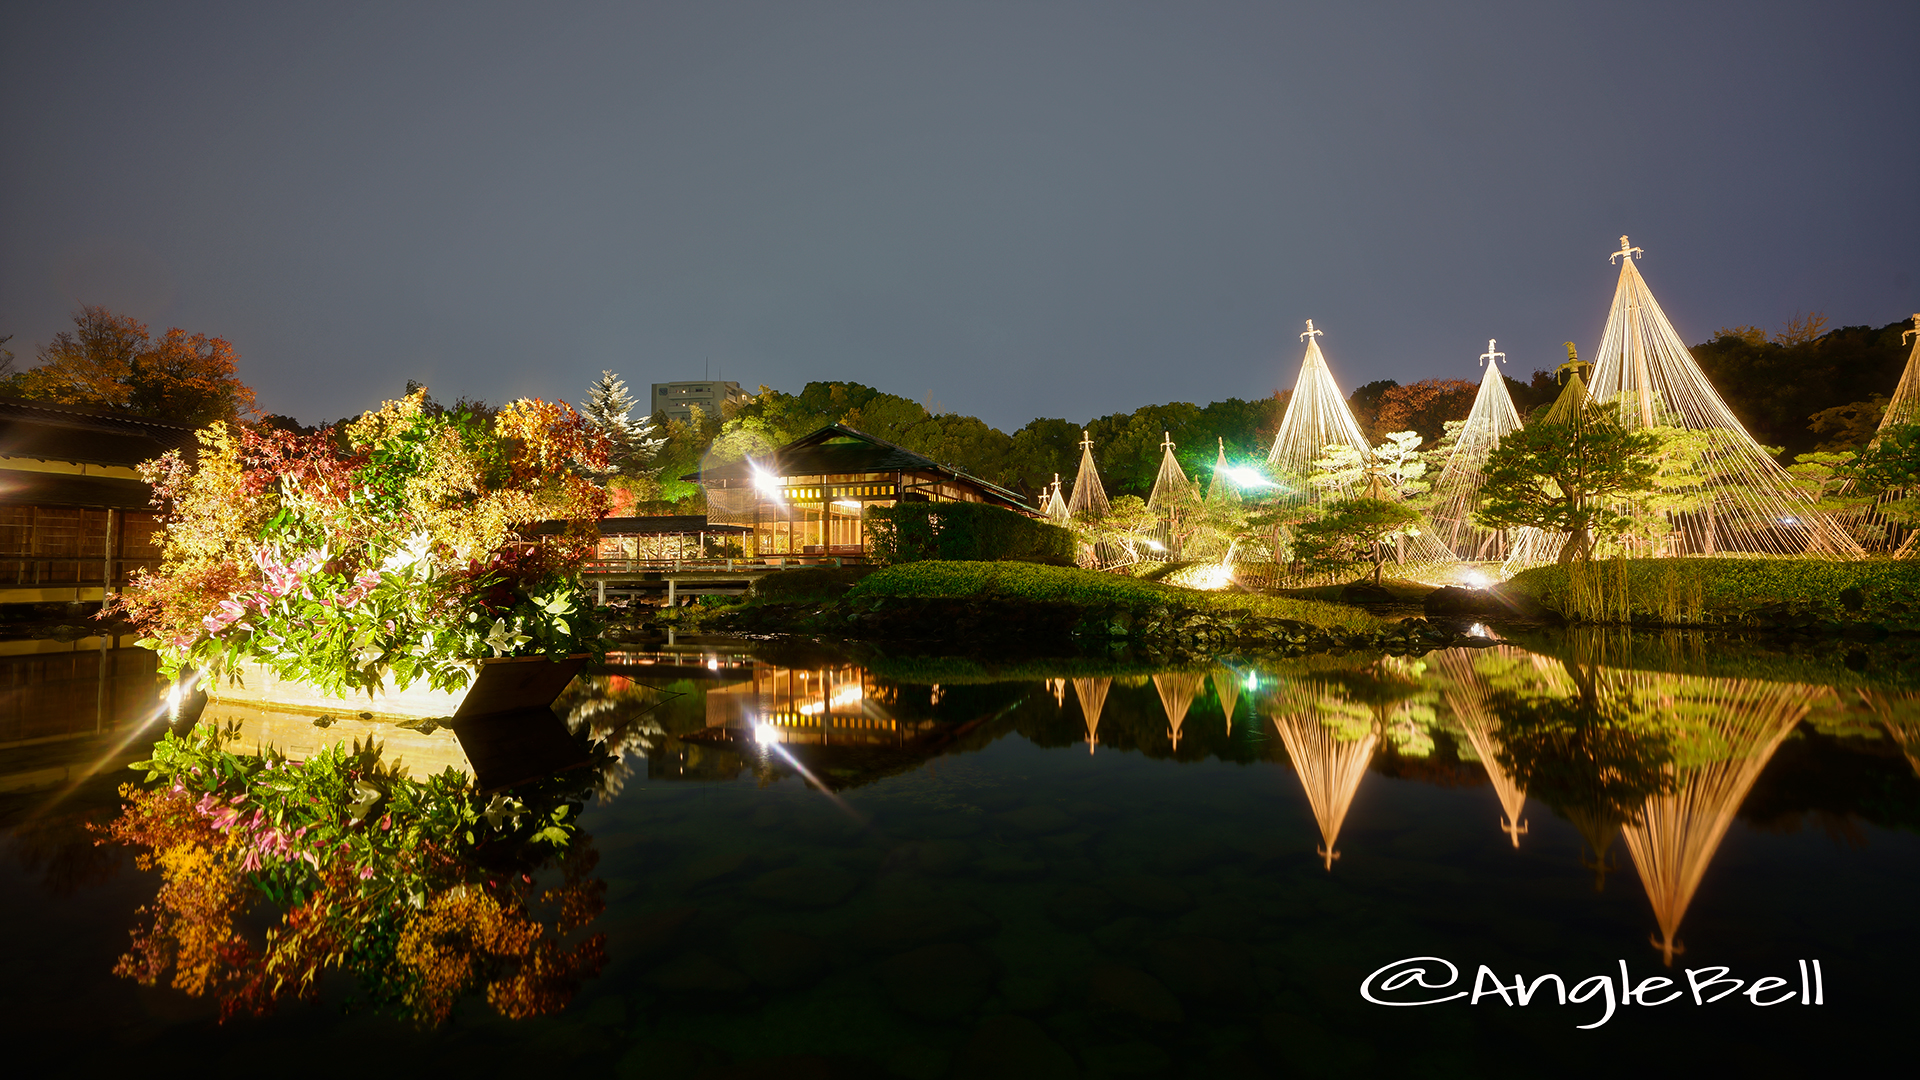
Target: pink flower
x=366 y=872
x=226 y=613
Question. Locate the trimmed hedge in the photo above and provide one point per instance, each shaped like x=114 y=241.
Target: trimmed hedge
x=1720 y=591
x=1087 y=588
x=962 y=532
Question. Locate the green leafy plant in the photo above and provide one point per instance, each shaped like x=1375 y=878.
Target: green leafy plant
x=395 y=550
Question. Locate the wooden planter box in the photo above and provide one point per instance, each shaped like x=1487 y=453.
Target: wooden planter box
x=500 y=730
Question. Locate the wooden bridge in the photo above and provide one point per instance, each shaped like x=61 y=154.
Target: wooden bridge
x=670 y=579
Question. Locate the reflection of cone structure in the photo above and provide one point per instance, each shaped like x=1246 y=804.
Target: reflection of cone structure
x=1330 y=770
x=1093 y=698
x=1678 y=832
x=1226 y=686
x=1058 y=688
x=1177 y=690
x=1467 y=698
x=1900 y=715
x=1317 y=417
x=1456 y=495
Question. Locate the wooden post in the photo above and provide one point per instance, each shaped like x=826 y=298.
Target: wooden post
x=673 y=592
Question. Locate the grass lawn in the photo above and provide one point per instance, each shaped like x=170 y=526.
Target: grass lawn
x=1086 y=588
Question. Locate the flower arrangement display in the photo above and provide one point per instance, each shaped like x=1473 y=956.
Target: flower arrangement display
x=387 y=552
x=419 y=889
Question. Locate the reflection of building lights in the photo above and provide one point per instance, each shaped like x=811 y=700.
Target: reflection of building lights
x=1253 y=681
x=1479 y=630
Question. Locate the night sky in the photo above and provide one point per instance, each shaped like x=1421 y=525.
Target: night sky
x=1012 y=210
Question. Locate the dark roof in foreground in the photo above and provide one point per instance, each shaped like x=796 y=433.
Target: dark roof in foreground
x=829 y=451
x=49 y=431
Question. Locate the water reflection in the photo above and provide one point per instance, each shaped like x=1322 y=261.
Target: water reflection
x=1064 y=890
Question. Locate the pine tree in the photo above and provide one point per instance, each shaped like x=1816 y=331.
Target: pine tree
x=610 y=408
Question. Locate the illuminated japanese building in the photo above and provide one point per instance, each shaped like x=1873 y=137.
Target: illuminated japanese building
x=807 y=497
x=75 y=517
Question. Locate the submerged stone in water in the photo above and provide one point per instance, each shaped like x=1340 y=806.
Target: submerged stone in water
x=781 y=958
x=804 y=886
x=1133 y=992
x=937 y=982
x=1040 y=819
x=906 y=927
x=1151 y=894
x=1013 y=1048
x=698 y=973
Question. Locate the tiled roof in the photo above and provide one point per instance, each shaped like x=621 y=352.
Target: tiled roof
x=838 y=449
x=53 y=432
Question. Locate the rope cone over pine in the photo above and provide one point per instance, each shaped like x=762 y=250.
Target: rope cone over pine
x=1456 y=495
x=1752 y=504
x=1317 y=417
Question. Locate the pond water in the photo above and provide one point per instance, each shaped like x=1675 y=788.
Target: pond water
x=827 y=865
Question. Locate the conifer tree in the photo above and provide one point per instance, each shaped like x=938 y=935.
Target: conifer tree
x=610 y=408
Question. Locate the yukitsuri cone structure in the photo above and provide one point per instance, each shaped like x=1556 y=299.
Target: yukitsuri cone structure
x=1177 y=690
x=1875 y=531
x=1677 y=833
x=1093 y=699
x=1528 y=545
x=1317 y=417
x=1088 y=496
x=1172 y=491
x=1466 y=696
x=1054 y=506
x=1456 y=495
x=1752 y=505
x=1329 y=766
x=1221 y=488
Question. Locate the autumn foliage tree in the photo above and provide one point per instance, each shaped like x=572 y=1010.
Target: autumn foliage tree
x=111 y=361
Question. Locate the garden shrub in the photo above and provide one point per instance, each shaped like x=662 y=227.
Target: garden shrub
x=1726 y=590
x=808 y=583
x=966 y=532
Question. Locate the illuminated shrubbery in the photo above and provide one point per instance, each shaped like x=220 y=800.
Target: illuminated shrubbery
x=389 y=550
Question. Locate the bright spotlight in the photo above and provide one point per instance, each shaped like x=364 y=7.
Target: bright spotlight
x=766 y=734
x=1244 y=476
x=1477 y=580
x=1155 y=545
